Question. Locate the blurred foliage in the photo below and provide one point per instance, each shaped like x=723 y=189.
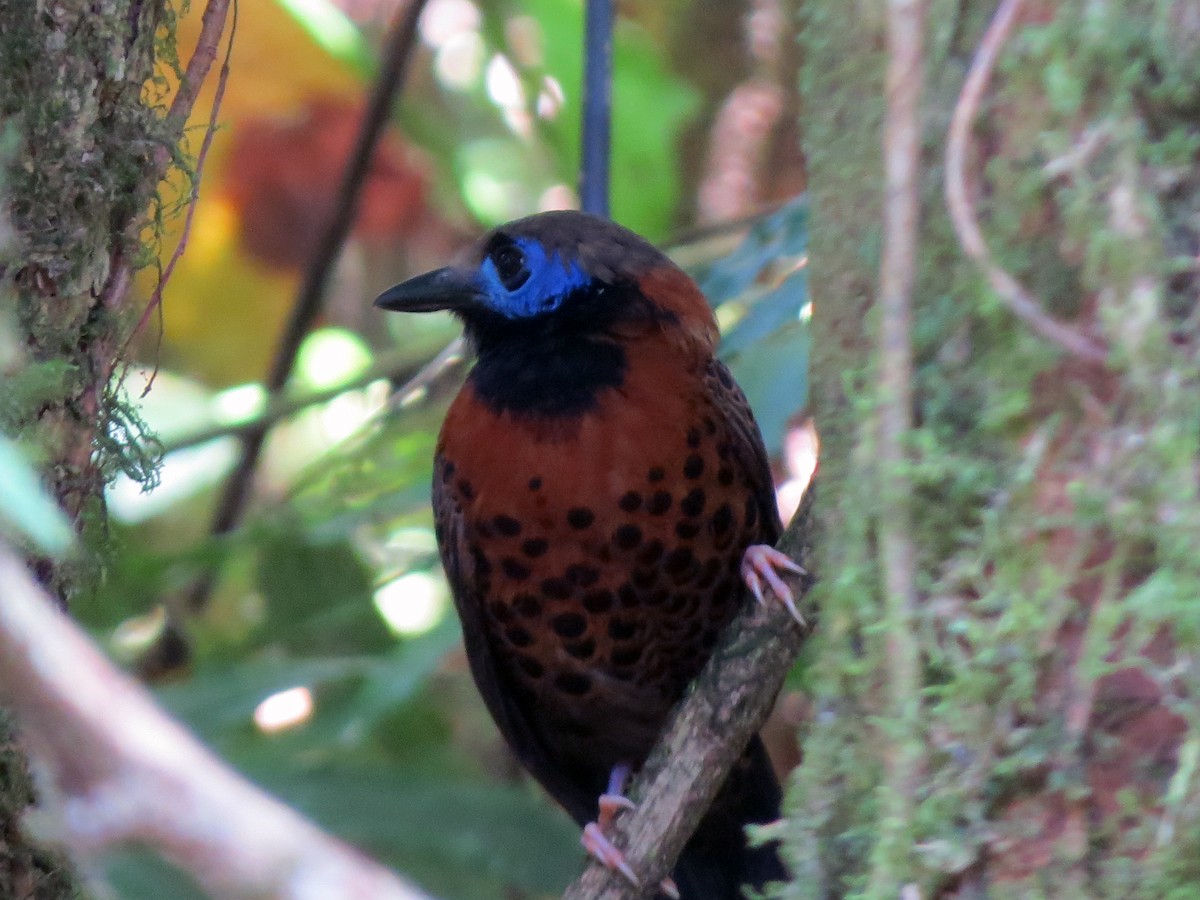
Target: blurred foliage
x=327 y=666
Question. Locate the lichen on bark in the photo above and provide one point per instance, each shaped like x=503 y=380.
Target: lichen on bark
x=1055 y=502
x=84 y=137
x=75 y=76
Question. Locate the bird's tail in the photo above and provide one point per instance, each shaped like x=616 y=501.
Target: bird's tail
x=717 y=862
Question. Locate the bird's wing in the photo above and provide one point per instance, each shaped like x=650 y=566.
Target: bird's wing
x=502 y=695
x=747 y=447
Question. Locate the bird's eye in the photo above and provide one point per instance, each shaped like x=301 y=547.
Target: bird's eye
x=510 y=266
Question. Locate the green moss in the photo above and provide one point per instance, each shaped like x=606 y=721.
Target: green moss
x=1035 y=483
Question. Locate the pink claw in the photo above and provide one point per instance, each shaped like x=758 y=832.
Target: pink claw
x=601 y=848
x=597 y=843
x=761 y=564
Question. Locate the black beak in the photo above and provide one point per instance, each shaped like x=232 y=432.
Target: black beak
x=450 y=288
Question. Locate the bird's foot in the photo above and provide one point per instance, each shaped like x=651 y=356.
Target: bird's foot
x=596 y=842
x=761 y=564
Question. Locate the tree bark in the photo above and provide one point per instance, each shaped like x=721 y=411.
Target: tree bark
x=75 y=188
x=1051 y=467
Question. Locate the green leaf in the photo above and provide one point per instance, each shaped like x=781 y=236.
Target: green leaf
x=24 y=507
x=319 y=596
x=775 y=379
x=783 y=234
x=770 y=312
x=459 y=838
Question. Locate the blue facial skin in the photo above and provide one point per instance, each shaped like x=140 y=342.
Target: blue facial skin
x=550 y=281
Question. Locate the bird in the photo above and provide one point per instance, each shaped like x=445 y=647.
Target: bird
x=603 y=507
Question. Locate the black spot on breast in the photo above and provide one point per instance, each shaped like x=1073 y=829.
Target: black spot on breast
x=658 y=597
x=466 y=489
x=528 y=606
x=693 y=438
x=626 y=656
x=535 y=483
x=710 y=425
x=518 y=636
x=569 y=624
x=535 y=547
x=679 y=560
x=621 y=629
x=556 y=588
x=581 y=575
x=500 y=611
x=751 y=512
x=598 y=601
x=630 y=502
x=447 y=472
x=694 y=467
x=515 y=569
x=687 y=530
x=580 y=517
x=727 y=587
x=628 y=596
x=581 y=649
x=709 y=574
x=574 y=683
x=659 y=503
x=507 y=526
x=708 y=640
x=644 y=578
x=651 y=553
x=725 y=476
x=531 y=666
x=483 y=530
x=627 y=537
x=722 y=519
x=483 y=566
x=693 y=503
x=658 y=473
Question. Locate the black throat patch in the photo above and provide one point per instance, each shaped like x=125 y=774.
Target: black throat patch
x=559 y=363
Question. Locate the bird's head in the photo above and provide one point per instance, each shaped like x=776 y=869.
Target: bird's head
x=564 y=273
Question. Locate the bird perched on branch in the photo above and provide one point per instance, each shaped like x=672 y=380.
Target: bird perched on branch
x=603 y=506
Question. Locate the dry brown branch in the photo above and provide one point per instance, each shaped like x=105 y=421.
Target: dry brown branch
x=212 y=26
x=897 y=553
x=729 y=701
x=112 y=768
x=961 y=207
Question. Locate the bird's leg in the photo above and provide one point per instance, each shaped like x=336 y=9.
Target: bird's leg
x=596 y=842
x=762 y=564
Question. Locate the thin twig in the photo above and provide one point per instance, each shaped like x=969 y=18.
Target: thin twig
x=897 y=553
x=966 y=225
x=728 y=703
x=394 y=367
x=113 y=769
x=397 y=54
x=212 y=26
x=155 y=302
x=597 y=108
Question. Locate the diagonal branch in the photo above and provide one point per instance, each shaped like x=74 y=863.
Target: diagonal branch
x=112 y=768
x=729 y=702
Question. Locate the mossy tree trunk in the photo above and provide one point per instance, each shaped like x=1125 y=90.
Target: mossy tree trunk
x=85 y=151
x=1055 y=499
